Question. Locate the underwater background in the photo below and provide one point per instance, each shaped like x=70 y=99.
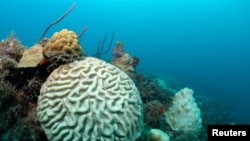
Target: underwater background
x=202 y=44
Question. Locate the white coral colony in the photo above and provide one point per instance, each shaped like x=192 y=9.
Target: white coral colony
x=90 y=100
x=184 y=115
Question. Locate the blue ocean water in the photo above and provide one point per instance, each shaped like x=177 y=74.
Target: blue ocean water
x=205 y=44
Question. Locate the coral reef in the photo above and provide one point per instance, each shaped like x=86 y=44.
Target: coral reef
x=11 y=47
x=32 y=90
x=6 y=66
x=151 y=90
x=153 y=113
x=90 y=100
x=55 y=60
x=14 y=123
x=64 y=41
x=113 y=104
x=23 y=131
x=7 y=63
x=6 y=95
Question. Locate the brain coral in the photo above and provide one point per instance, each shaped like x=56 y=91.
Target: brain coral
x=64 y=41
x=90 y=100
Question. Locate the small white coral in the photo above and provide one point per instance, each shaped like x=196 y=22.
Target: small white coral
x=90 y=100
x=158 y=135
x=184 y=115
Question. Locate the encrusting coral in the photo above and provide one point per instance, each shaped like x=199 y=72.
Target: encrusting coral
x=56 y=60
x=64 y=41
x=90 y=100
x=31 y=57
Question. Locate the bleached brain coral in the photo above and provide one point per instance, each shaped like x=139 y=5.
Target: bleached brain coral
x=90 y=100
